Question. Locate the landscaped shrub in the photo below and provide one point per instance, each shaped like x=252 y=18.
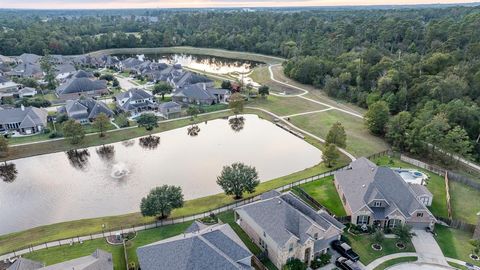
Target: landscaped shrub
x=321 y=260
x=294 y=264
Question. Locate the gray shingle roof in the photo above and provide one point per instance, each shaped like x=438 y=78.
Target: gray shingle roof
x=286 y=216
x=214 y=248
x=99 y=260
x=25 y=264
x=79 y=85
x=33 y=115
x=85 y=108
x=168 y=105
x=365 y=181
x=194 y=91
x=421 y=190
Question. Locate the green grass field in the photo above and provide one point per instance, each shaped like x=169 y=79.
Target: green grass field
x=465 y=202
x=455 y=243
x=362 y=244
x=324 y=192
x=283 y=106
x=389 y=263
x=360 y=142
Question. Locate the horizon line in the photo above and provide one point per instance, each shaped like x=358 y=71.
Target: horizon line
x=366 y=5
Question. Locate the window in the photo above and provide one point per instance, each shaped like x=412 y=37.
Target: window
x=315 y=236
x=392 y=223
x=419 y=214
x=264 y=234
x=424 y=200
x=377 y=203
x=363 y=219
x=290 y=247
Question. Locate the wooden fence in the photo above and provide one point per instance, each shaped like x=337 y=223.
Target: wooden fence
x=458 y=224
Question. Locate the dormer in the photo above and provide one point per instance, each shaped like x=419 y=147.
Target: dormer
x=378 y=203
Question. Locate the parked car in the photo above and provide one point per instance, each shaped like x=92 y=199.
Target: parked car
x=346 y=264
x=345 y=250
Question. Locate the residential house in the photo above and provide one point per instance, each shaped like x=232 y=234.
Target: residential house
x=378 y=196
x=216 y=247
x=98 y=260
x=8 y=88
x=136 y=101
x=285 y=227
x=29 y=120
x=170 y=109
x=28 y=66
x=82 y=83
x=63 y=71
x=200 y=94
x=85 y=110
x=26 y=92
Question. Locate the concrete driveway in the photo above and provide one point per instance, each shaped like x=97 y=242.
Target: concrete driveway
x=427 y=249
x=419 y=266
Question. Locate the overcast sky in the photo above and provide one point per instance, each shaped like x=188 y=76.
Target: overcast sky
x=111 y=4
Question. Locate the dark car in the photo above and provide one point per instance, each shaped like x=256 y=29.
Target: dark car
x=346 y=264
x=345 y=250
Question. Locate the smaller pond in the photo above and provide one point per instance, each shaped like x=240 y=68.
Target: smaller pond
x=111 y=180
x=205 y=63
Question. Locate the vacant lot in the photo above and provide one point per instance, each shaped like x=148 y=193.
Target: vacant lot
x=465 y=202
x=283 y=106
x=359 y=140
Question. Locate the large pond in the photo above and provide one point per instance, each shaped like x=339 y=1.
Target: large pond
x=204 y=63
x=105 y=181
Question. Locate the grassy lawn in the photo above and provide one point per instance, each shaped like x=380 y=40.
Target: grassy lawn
x=362 y=244
x=392 y=262
x=151 y=236
x=359 y=140
x=283 y=106
x=324 y=192
x=260 y=74
x=465 y=202
x=455 y=243
x=315 y=93
x=64 y=253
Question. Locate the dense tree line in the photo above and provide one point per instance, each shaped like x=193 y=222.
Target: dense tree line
x=424 y=61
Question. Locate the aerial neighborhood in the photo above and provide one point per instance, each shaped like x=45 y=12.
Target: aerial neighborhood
x=255 y=138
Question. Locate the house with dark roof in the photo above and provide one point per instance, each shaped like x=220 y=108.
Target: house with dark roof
x=85 y=110
x=378 y=196
x=170 y=109
x=135 y=101
x=285 y=227
x=98 y=260
x=216 y=247
x=81 y=83
x=29 y=120
x=200 y=94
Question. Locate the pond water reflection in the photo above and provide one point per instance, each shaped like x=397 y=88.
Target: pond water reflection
x=210 y=64
x=111 y=180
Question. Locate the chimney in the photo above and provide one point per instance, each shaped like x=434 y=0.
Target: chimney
x=204 y=86
x=130 y=94
x=22 y=107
